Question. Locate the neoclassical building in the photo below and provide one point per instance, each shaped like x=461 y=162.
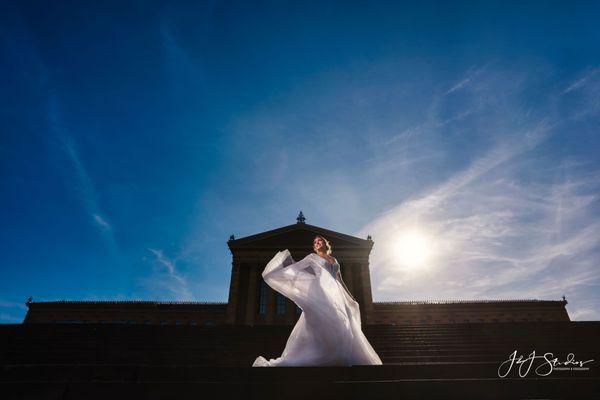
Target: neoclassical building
x=252 y=302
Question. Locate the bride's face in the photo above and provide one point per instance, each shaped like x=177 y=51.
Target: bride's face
x=318 y=244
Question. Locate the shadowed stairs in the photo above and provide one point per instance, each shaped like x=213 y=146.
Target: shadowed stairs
x=68 y=361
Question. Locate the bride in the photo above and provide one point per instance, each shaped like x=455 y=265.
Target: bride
x=328 y=331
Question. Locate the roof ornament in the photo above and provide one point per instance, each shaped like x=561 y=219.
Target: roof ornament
x=369 y=238
x=300 y=218
x=564 y=298
x=231 y=237
x=29 y=300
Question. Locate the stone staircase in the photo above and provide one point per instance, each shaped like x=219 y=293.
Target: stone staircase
x=70 y=361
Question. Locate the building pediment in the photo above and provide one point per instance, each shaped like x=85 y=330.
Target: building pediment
x=299 y=235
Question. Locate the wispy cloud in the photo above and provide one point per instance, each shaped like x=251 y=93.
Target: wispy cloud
x=184 y=73
x=12 y=312
x=514 y=222
x=494 y=235
x=582 y=81
x=101 y=222
x=384 y=165
x=459 y=85
x=84 y=187
x=459 y=116
x=471 y=75
x=165 y=279
x=24 y=49
x=584 y=94
x=12 y=304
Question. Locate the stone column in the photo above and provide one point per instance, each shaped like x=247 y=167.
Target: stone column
x=357 y=285
x=233 y=294
x=367 y=308
x=347 y=273
x=252 y=304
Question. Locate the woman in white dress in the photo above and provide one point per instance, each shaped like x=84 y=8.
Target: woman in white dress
x=328 y=331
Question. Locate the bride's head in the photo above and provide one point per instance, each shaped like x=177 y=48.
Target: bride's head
x=320 y=244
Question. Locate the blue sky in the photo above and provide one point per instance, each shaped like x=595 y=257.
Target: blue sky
x=137 y=136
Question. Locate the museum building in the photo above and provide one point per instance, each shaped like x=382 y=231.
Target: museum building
x=251 y=302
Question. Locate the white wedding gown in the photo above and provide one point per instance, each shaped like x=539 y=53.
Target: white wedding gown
x=328 y=331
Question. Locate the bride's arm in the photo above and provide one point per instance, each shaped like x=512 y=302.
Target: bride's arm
x=284 y=266
x=293 y=279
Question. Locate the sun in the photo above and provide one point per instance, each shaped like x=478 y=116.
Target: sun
x=412 y=249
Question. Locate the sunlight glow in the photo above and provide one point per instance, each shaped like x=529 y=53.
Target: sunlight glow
x=412 y=249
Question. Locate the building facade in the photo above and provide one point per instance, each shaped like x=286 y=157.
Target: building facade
x=252 y=302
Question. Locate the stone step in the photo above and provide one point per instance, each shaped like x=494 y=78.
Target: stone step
x=228 y=345
x=180 y=372
x=411 y=381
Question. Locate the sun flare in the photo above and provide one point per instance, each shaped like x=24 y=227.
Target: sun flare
x=412 y=249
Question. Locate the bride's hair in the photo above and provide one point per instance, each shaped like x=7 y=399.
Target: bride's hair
x=329 y=246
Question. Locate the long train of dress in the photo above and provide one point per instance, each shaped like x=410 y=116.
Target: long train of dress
x=328 y=331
